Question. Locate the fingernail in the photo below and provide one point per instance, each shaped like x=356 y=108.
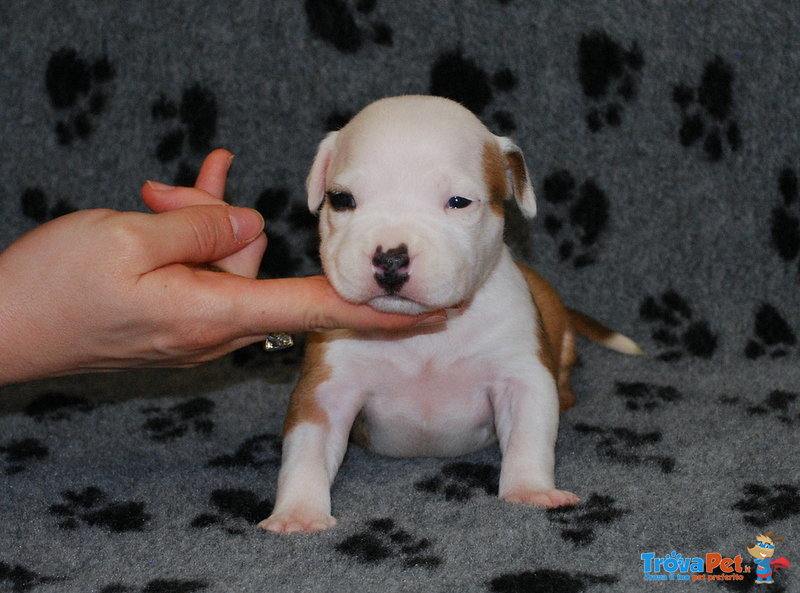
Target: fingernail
x=435 y=319
x=159 y=186
x=247 y=223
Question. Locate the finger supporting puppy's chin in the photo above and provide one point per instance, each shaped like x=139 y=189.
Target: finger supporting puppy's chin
x=396 y=304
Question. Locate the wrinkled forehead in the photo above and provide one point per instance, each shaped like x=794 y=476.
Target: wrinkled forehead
x=411 y=138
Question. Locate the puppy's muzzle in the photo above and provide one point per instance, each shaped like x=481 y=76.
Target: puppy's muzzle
x=391 y=267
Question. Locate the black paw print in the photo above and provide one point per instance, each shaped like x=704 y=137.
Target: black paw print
x=581 y=520
x=580 y=216
x=35 y=205
x=196 y=125
x=18 y=578
x=76 y=88
x=233 y=508
x=544 y=579
x=783 y=406
x=762 y=505
x=284 y=220
x=174 y=422
x=675 y=329
x=383 y=540
x=623 y=445
x=608 y=75
x=91 y=507
x=158 y=586
x=785 y=224
x=778 y=405
x=458 y=481
x=646 y=396
x=18 y=453
x=263 y=450
x=456 y=77
x=336 y=23
x=773 y=336
x=336 y=120
x=706 y=111
x=55 y=406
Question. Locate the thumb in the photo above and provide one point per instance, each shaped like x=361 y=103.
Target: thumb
x=200 y=234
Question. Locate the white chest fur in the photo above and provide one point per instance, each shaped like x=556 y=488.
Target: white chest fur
x=430 y=392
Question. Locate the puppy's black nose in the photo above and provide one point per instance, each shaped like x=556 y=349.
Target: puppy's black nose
x=391 y=267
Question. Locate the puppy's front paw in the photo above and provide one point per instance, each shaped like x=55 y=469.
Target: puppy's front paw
x=548 y=499
x=298 y=521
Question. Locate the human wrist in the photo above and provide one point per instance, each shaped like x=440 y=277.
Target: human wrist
x=28 y=341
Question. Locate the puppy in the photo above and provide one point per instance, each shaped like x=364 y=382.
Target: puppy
x=410 y=197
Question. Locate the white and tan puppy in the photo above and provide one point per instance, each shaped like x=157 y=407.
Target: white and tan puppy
x=410 y=196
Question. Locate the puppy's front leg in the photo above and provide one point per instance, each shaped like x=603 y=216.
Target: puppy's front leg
x=314 y=444
x=526 y=422
x=303 y=502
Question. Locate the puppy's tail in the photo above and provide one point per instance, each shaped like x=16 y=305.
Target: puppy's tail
x=597 y=332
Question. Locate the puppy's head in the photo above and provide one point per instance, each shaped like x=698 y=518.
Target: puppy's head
x=410 y=194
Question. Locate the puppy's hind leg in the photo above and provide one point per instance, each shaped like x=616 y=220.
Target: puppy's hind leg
x=566 y=397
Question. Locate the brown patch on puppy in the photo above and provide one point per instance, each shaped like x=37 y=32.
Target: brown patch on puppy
x=494 y=175
x=556 y=341
x=303 y=406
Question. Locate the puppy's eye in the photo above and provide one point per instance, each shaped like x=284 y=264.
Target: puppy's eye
x=458 y=202
x=341 y=200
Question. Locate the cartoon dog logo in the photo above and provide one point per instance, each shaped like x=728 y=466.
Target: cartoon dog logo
x=762 y=552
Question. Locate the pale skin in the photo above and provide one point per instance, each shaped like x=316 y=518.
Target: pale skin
x=101 y=290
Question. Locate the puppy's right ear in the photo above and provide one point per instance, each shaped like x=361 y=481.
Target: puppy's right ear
x=315 y=182
x=520 y=179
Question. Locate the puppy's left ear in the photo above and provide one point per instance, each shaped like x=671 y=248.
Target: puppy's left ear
x=315 y=182
x=518 y=177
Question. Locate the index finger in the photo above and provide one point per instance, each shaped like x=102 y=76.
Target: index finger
x=208 y=189
x=214 y=173
x=261 y=307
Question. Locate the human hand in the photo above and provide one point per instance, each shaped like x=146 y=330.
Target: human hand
x=105 y=290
